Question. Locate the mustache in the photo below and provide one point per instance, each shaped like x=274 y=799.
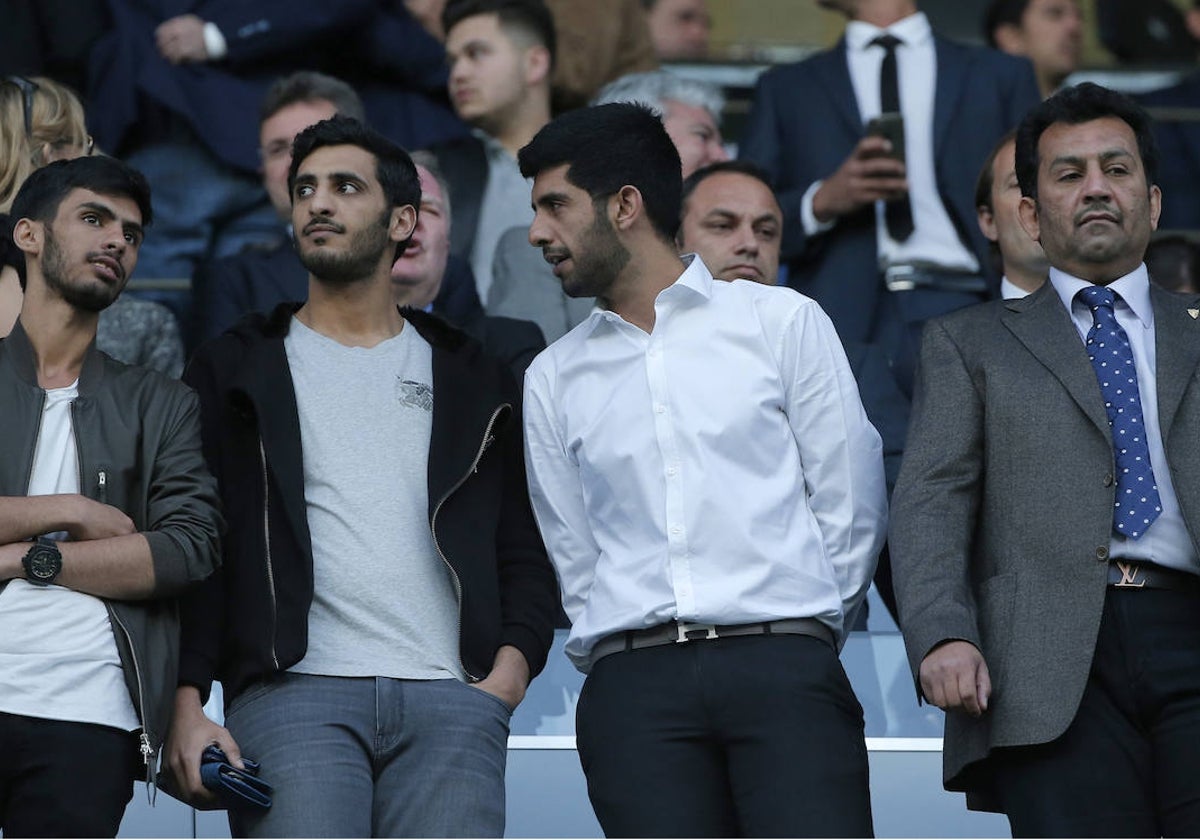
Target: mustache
x=325 y=223
x=1099 y=210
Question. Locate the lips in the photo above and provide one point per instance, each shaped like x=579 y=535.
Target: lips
x=742 y=271
x=322 y=227
x=109 y=266
x=556 y=259
x=1099 y=216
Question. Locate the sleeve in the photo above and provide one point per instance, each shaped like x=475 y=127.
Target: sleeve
x=557 y=495
x=261 y=29
x=202 y=608
x=528 y=599
x=762 y=143
x=936 y=502
x=840 y=452
x=183 y=520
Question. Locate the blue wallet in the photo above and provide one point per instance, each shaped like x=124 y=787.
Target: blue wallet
x=234 y=788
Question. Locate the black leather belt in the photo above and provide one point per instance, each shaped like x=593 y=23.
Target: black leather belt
x=1125 y=574
x=902 y=278
x=681 y=632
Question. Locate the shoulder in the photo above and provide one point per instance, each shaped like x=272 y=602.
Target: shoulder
x=981 y=60
x=777 y=78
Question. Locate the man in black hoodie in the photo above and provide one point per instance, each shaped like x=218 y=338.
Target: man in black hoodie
x=385 y=597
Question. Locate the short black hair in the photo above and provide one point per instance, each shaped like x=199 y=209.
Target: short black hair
x=1075 y=105
x=46 y=187
x=986 y=180
x=738 y=167
x=393 y=167
x=311 y=86
x=1002 y=13
x=532 y=18
x=44 y=190
x=607 y=147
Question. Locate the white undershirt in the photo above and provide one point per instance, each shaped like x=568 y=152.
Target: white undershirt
x=58 y=656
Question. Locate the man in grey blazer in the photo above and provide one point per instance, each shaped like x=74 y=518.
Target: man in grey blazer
x=1050 y=602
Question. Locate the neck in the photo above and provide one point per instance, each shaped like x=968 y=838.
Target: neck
x=59 y=334
x=1048 y=83
x=1025 y=279
x=358 y=314
x=884 y=13
x=635 y=289
x=530 y=115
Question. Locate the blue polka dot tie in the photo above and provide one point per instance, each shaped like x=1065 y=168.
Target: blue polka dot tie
x=1137 y=504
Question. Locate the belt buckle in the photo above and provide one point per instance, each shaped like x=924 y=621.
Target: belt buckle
x=900 y=278
x=1129 y=576
x=686 y=627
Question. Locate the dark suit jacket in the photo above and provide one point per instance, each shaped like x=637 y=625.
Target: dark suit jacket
x=1003 y=513
x=464 y=164
x=1179 y=155
x=805 y=123
x=258 y=280
x=219 y=101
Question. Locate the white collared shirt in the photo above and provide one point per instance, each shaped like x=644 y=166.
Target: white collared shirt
x=1166 y=541
x=1010 y=290
x=934 y=240
x=719 y=469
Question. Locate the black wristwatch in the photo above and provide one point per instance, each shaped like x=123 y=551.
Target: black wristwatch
x=42 y=562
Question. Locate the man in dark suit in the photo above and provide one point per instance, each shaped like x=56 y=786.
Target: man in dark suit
x=259 y=278
x=1044 y=525
x=882 y=243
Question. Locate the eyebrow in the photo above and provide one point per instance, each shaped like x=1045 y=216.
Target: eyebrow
x=1076 y=160
x=546 y=198
x=107 y=213
x=308 y=178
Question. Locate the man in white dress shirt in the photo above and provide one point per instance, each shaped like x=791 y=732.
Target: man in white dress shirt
x=712 y=496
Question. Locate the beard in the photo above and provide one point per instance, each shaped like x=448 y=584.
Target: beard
x=358 y=262
x=600 y=260
x=90 y=297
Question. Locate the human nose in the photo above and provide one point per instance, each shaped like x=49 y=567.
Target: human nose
x=716 y=151
x=747 y=242
x=537 y=233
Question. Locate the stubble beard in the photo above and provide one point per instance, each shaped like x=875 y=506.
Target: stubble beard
x=94 y=297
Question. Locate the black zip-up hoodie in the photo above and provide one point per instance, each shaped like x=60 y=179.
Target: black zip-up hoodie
x=250 y=620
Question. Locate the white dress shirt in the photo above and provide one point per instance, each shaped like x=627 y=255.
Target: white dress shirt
x=934 y=240
x=1010 y=290
x=1166 y=541
x=719 y=469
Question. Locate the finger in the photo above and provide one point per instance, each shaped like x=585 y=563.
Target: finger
x=873 y=145
x=983 y=685
x=965 y=684
x=231 y=749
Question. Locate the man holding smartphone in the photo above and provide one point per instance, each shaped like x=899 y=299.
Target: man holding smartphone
x=879 y=221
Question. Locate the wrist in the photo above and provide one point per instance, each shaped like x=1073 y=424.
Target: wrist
x=11 y=556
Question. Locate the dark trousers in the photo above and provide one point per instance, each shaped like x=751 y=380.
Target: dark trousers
x=752 y=736
x=1129 y=764
x=61 y=779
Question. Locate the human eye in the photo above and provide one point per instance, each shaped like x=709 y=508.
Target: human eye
x=304 y=190
x=91 y=218
x=348 y=188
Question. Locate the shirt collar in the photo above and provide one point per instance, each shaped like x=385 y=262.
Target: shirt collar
x=696 y=278
x=912 y=30
x=1133 y=289
x=491 y=145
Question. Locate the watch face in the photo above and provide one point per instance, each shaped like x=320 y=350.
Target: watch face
x=44 y=563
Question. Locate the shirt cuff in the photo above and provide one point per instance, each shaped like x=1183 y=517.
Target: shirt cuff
x=214 y=42
x=812 y=225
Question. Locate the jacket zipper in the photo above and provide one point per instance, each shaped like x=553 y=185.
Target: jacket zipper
x=102 y=486
x=262 y=452
x=488 y=438
x=146 y=748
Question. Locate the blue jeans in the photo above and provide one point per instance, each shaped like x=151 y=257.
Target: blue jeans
x=371 y=756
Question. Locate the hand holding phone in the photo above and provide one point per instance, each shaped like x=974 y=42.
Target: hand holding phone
x=889 y=126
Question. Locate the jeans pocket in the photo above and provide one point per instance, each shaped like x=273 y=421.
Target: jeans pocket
x=508 y=710
x=251 y=693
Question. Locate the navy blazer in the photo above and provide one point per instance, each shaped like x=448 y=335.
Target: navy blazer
x=804 y=124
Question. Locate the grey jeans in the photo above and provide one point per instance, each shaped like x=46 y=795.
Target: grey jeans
x=371 y=756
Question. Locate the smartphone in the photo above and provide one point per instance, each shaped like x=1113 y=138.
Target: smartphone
x=891 y=127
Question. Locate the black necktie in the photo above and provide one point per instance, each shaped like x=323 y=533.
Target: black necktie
x=897 y=213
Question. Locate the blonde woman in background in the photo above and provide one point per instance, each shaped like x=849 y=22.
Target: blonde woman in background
x=42 y=121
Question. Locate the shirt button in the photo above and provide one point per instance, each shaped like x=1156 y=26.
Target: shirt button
x=1108 y=480
x=671 y=471
x=1102 y=553
x=660 y=409
x=676 y=530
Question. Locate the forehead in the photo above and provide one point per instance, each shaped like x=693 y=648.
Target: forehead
x=1041 y=7
x=431 y=190
x=340 y=159
x=682 y=8
x=554 y=180
x=734 y=192
x=1087 y=139
x=290 y=120
x=681 y=112
x=124 y=207
x=482 y=27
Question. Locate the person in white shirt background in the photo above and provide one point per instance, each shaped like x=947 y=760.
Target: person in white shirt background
x=712 y=496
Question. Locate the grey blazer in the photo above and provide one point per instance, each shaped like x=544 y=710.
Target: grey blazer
x=1003 y=511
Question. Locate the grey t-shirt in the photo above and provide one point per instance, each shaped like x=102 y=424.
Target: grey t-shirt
x=385 y=603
